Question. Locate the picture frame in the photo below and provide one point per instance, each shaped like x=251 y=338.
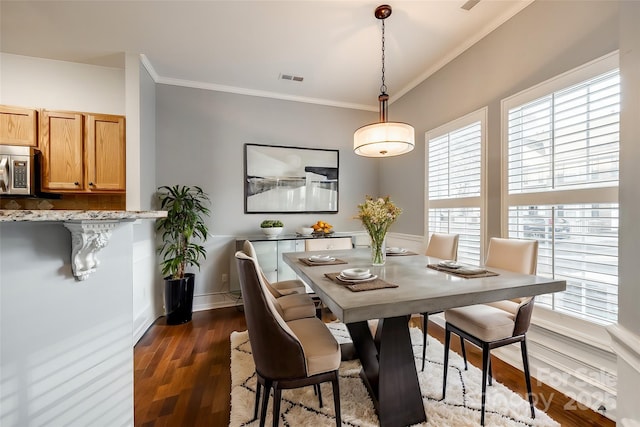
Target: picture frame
x=282 y=179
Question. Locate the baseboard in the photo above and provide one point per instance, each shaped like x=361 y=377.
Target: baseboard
x=215 y=300
x=143 y=322
x=626 y=345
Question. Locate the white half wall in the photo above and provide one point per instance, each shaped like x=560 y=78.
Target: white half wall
x=66 y=356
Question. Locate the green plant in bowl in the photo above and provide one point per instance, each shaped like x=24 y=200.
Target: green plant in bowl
x=271 y=223
x=272 y=227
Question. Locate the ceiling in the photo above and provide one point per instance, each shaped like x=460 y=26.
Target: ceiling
x=245 y=46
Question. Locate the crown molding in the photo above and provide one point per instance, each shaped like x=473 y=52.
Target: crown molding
x=249 y=92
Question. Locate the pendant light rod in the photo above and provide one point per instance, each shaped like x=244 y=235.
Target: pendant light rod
x=383 y=99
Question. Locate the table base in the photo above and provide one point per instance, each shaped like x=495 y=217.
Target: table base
x=389 y=370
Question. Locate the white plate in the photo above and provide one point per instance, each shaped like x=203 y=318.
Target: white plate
x=349 y=280
x=356 y=273
x=471 y=270
x=321 y=258
x=449 y=264
x=396 y=250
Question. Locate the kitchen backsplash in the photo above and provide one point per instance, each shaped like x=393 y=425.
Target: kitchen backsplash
x=71 y=201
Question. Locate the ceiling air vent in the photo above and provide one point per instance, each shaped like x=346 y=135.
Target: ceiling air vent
x=291 y=77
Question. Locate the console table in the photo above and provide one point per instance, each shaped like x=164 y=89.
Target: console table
x=270 y=250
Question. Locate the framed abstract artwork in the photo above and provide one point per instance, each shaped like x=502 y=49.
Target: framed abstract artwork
x=279 y=179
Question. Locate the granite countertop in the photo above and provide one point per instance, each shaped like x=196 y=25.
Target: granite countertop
x=75 y=215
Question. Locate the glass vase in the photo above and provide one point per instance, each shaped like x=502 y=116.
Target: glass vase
x=378 y=250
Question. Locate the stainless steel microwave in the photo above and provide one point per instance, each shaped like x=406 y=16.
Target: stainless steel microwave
x=18 y=170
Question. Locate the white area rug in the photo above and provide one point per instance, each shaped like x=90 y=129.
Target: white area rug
x=461 y=407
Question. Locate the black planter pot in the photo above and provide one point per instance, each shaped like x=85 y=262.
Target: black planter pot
x=178 y=299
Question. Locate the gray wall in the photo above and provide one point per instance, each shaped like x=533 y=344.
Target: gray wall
x=147 y=281
x=544 y=40
x=200 y=139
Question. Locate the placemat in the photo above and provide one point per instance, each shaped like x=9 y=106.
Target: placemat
x=460 y=272
x=314 y=264
x=366 y=286
x=401 y=253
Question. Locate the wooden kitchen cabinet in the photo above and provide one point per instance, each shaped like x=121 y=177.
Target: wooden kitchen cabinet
x=18 y=126
x=105 y=153
x=82 y=153
x=62 y=148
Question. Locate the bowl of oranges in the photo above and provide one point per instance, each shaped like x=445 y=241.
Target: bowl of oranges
x=322 y=228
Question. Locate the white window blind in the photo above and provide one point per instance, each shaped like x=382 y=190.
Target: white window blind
x=562 y=163
x=454 y=182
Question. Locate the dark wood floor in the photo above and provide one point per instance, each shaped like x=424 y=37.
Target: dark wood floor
x=182 y=376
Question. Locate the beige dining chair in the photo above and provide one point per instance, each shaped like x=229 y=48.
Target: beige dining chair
x=442 y=246
x=494 y=325
x=277 y=289
x=287 y=354
x=327 y=244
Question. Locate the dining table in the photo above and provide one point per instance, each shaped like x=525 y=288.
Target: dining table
x=406 y=285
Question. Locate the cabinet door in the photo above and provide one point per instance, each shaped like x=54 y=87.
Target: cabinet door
x=62 y=149
x=105 y=153
x=267 y=254
x=18 y=126
x=284 y=271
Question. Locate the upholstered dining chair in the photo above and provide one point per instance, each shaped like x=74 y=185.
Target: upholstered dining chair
x=292 y=306
x=494 y=325
x=277 y=289
x=443 y=246
x=327 y=244
x=287 y=354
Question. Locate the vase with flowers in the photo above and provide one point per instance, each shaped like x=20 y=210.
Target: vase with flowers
x=377 y=215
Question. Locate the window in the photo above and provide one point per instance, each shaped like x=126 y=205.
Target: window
x=454 y=187
x=561 y=145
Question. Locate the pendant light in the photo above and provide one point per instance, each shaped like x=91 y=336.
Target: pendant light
x=385 y=138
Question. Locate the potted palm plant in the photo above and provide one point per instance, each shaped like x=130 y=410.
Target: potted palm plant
x=183 y=231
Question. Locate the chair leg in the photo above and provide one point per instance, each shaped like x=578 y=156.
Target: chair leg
x=257 y=404
x=527 y=377
x=485 y=370
x=318 y=303
x=464 y=354
x=265 y=402
x=276 y=404
x=490 y=371
x=336 y=398
x=317 y=386
x=425 y=319
x=447 y=342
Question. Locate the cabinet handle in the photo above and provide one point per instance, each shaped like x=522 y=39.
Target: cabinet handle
x=91 y=183
x=76 y=183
